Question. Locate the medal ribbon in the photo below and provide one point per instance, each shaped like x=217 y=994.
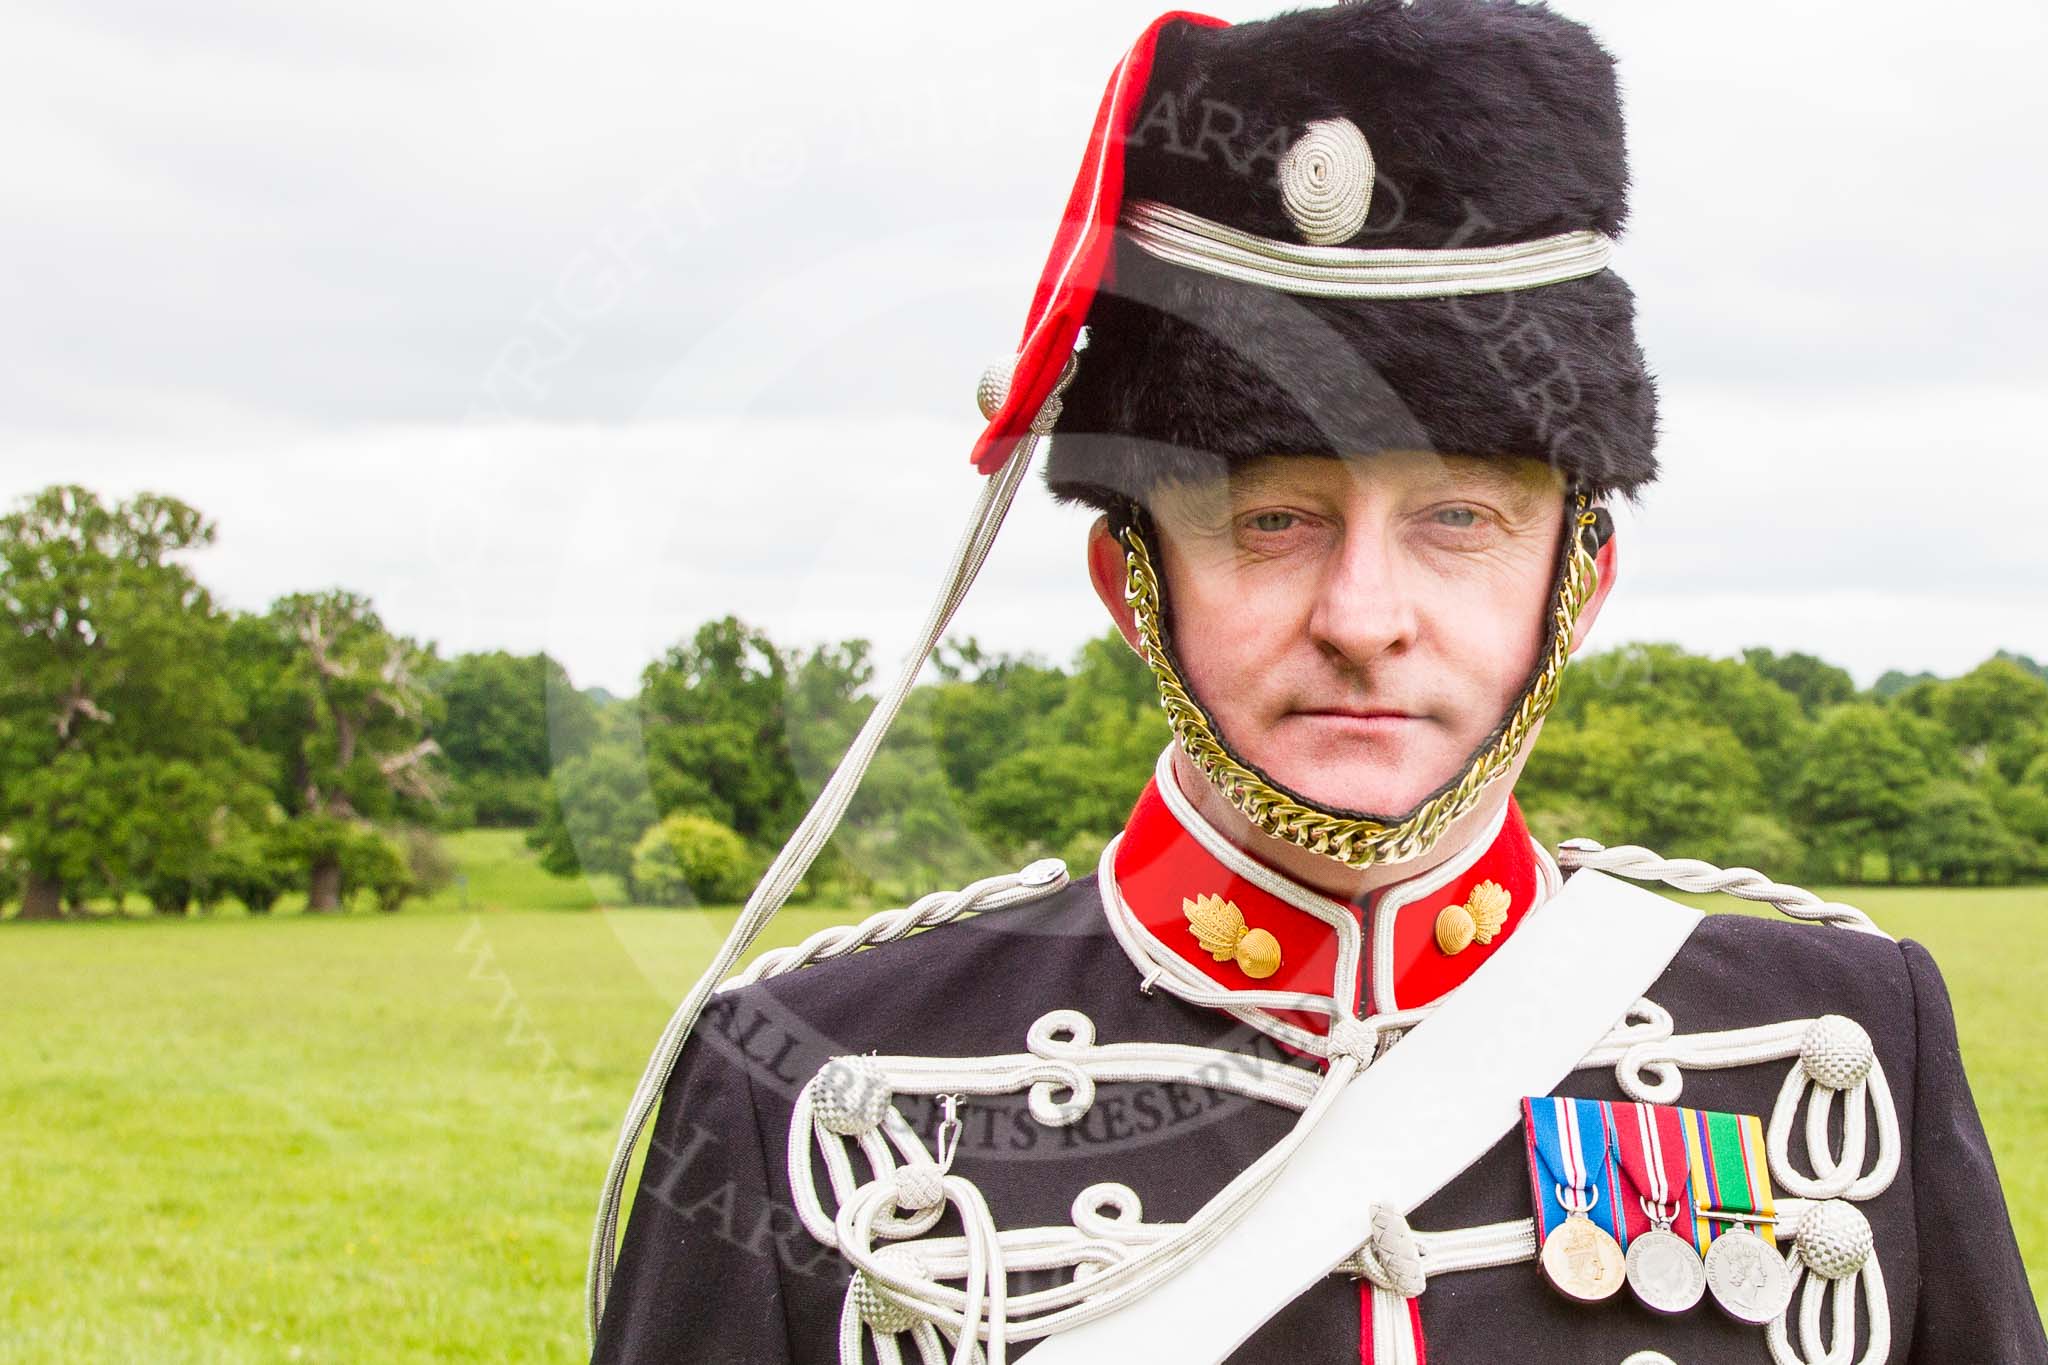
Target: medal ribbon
x=1569 y=1167
x=1729 y=1170
x=1649 y=1145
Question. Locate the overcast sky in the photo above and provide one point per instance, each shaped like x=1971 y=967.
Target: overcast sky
x=569 y=327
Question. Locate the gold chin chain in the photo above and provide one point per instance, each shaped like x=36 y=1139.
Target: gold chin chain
x=1350 y=840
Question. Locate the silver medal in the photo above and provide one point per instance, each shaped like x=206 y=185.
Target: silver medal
x=1749 y=1280
x=1665 y=1272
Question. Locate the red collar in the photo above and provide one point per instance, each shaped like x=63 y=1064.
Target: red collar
x=1163 y=868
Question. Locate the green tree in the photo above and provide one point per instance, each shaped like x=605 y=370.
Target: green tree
x=984 y=706
x=906 y=831
x=256 y=865
x=508 y=719
x=826 y=705
x=65 y=816
x=2025 y=662
x=1681 y=786
x=2022 y=808
x=717 y=733
x=115 y=699
x=10 y=869
x=1815 y=683
x=1997 y=713
x=179 y=814
x=372 y=861
x=1956 y=835
x=1041 y=799
x=1069 y=785
x=1760 y=840
x=1665 y=684
x=428 y=863
x=1857 y=789
x=357 y=728
x=1553 y=817
x=1895 y=682
x=692 y=859
x=602 y=804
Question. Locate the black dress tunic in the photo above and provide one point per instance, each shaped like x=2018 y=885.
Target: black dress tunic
x=716 y=1267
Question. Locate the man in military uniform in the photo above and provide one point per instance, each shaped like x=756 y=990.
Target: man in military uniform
x=1328 y=1059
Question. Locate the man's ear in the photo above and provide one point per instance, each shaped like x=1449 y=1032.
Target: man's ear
x=1604 y=563
x=1106 y=570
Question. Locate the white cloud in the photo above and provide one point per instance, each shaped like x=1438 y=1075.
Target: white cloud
x=569 y=329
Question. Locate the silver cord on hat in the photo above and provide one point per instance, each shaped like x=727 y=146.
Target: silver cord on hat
x=1198 y=243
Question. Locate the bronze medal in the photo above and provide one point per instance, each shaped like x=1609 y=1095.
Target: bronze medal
x=1583 y=1261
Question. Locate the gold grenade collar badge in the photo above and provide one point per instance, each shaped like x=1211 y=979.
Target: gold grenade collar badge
x=1218 y=925
x=1482 y=915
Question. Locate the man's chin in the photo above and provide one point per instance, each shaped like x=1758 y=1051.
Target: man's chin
x=1364 y=800
x=1377 y=770
x=1333 y=787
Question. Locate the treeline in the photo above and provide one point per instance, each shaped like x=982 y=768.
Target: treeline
x=153 y=744
x=1775 y=761
x=686 y=792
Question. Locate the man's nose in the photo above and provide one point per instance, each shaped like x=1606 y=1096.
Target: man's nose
x=1365 y=605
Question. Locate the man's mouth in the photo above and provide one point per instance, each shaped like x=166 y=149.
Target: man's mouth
x=1361 y=721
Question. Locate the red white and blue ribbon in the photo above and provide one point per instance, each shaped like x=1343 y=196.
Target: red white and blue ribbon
x=1570 y=1169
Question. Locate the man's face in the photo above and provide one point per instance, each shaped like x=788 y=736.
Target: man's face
x=1357 y=627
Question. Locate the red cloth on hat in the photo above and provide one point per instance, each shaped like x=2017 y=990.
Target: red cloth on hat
x=1080 y=251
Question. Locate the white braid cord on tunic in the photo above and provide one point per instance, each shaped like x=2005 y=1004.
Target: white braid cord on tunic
x=948 y=1296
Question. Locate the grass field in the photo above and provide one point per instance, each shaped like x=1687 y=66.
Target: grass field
x=374 y=1138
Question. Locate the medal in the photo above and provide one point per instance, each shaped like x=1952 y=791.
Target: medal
x=1749 y=1279
x=1663 y=1270
x=1735 y=1215
x=1574 y=1196
x=1582 y=1261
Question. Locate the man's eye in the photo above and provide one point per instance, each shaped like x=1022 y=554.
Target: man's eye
x=1460 y=517
x=1270 y=522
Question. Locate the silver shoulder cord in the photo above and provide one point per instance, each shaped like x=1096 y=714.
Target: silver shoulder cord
x=809 y=839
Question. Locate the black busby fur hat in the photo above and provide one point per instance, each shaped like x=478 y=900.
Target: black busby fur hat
x=1490 y=122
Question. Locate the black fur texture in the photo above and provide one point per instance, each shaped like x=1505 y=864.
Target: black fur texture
x=1490 y=121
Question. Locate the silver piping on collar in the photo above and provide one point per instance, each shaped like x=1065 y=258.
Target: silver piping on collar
x=1190 y=240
